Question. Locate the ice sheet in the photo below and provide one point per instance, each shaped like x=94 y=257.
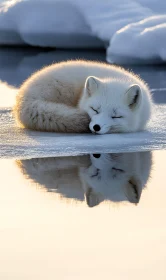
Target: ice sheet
x=21 y=143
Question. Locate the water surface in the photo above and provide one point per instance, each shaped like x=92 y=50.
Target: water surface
x=48 y=230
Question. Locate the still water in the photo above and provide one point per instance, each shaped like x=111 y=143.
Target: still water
x=97 y=216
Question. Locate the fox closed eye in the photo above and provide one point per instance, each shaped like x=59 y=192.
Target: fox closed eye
x=97 y=112
x=117 y=117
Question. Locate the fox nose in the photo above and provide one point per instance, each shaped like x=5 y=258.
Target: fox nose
x=96 y=127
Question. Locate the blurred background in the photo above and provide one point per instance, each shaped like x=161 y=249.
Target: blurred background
x=129 y=31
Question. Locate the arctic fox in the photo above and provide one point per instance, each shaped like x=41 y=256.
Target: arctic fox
x=97 y=177
x=82 y=96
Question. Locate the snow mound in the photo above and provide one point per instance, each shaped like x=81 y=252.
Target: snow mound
x=45 y=24
x=144 y=40
x=133 y=30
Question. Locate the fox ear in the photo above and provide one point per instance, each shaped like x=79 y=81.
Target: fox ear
x=92 y=84
x=133 y=190
x=133 y=95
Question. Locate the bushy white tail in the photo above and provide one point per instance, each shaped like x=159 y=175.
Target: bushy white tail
x=49 y=116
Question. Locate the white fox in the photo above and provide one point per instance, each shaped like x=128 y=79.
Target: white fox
x=78 y=96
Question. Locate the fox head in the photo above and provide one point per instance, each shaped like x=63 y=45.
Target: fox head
x=112 y=105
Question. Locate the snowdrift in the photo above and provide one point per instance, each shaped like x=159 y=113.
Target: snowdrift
x=133 y=31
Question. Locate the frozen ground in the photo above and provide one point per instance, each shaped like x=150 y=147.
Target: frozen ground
x=131 y=30
x=16 y=65
x=19 y=143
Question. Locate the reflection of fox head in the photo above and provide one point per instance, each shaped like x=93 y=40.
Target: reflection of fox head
x=115 y=177
x=115 y=105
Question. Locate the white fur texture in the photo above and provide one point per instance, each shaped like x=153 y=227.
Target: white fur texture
x=111 y=177
x=74 y=96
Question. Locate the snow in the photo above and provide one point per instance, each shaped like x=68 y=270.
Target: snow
x=133 y=31
x=20 y=143
x=144 y=40
x=45 y=24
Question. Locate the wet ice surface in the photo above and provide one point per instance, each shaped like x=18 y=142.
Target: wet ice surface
x=85 y=217
x=18 y=64
x=21 y=143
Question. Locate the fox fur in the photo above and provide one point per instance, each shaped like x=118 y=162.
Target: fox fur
x=81 y=96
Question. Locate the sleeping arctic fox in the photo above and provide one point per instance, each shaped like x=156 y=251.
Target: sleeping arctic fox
x=76 y=96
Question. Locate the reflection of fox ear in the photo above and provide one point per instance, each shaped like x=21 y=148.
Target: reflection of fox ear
x=93 y=198
x=133 y=190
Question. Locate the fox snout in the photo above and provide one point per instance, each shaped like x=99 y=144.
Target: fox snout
x=100 y=124
x=98 y=128
x=95 y=128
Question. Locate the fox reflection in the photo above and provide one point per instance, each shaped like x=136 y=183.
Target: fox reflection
x=116 y=177
x=97 y=177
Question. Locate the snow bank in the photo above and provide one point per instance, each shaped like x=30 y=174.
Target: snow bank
x=21 y=143
x=145 y=41
x=133 y=30
x=44 y=23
